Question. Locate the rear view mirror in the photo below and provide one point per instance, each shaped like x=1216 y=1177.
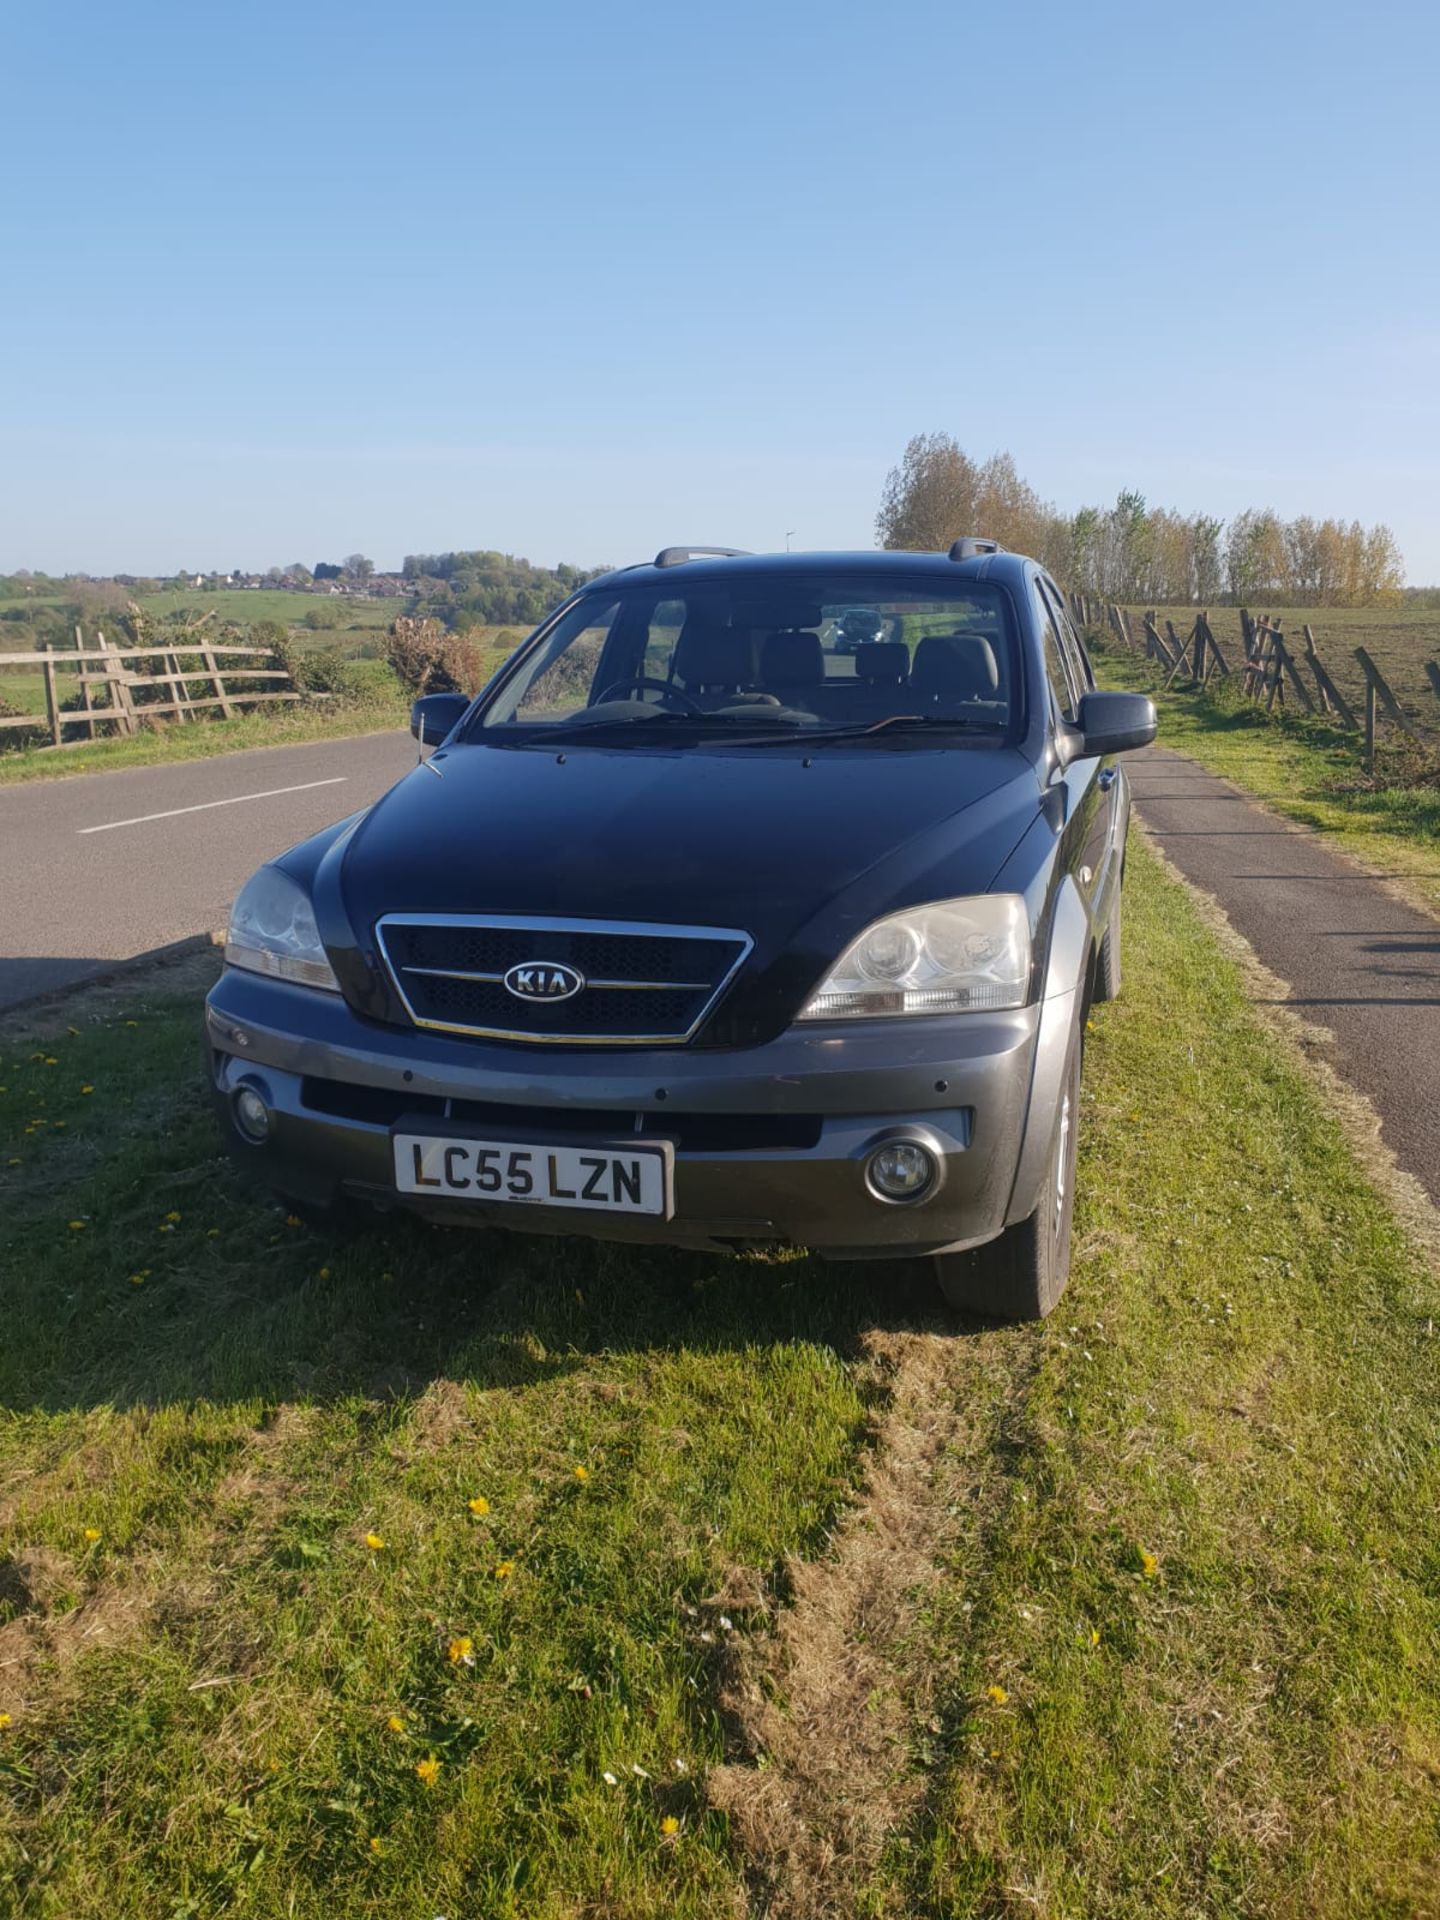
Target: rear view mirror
x=432 y=717
x=1115 y=722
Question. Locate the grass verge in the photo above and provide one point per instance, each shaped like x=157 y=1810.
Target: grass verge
x=384 y=707
x=1172 y=1646
x=1303 y=769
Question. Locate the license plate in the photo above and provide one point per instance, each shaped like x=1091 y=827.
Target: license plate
x=604 y=1179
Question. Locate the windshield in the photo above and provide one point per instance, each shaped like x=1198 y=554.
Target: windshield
x=761 y=660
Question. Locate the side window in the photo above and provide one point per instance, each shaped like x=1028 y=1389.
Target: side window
x=1070 y=643
x=1057 y=672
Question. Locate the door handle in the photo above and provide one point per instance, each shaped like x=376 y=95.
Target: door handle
x=1105 y=779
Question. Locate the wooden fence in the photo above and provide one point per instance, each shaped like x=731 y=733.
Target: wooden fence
x=140 y=683
x=1270 y=668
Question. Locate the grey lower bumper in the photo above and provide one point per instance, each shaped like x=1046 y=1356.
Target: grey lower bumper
x=964 y=1084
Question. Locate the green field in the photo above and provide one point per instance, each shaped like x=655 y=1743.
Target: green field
x=1399 y=640
x=434 y=1573
x=246 y=605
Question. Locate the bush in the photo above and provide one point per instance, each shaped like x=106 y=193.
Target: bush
x=323 y=619
x=427 y=659
x=328 y=670
x=15 y=739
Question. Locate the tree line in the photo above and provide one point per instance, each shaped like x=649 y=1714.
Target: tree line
x=484 y=588
x=1134 y=552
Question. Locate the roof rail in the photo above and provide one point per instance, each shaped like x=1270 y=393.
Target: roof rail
x=677 y=556
x=970 y=546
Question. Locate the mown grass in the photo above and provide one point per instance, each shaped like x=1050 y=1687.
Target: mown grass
x=1302 y=768
x=1209 y=1606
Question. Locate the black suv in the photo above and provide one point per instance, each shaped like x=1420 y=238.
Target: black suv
x=692 y=931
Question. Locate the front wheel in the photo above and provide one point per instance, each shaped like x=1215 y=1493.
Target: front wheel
x=1022 y=1275
x=1107 y=961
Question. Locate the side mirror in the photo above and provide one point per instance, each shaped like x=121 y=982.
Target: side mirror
x=432 y=717
x=1113 y=723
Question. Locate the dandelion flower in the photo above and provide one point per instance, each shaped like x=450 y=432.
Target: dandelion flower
x=1095 y=1636
x=92 y=1534
x=669 y=1825
x=375 y=1843
x=293 y=1220
x=374 y=1542
x=139 y=1279
x=59 y=1125
x=172 y=1216
x=87 y=1089
x=461 y=1650
x=1149 y=1565
x=51 y=1061
x=324 y=1273
x=582 y=1473
x=427 y=1771
x=479 y=1506
x=132 y=1023
x=212 y=1233
x=395 y=1723
x=14 y=1162
x=997 y=1694
x=77 y=1226
x=505 y=1569
x=4 y=1721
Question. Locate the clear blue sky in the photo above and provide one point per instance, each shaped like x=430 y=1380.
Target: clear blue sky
x=286 y=281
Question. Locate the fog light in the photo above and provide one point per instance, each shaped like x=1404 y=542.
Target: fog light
x=901 y=1170
x=252 y=1116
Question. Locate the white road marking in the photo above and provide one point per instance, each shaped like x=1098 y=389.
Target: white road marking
x=140 y=819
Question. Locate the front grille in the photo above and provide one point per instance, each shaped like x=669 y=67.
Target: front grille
x=643 y=985
x=691 y=1132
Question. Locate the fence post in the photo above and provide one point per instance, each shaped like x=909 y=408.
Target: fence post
x=1432 y=674
x=208 y=656
x=52 y=701
x=1369 y=726
x=119 y=692
x=1331 y=697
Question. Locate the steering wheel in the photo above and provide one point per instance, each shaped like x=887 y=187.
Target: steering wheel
x=619 y=688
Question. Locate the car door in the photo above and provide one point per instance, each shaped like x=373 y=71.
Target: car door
x=1086 y=812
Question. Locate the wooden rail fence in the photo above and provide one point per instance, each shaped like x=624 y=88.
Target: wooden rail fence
x=124 y=671
x=1270 y=667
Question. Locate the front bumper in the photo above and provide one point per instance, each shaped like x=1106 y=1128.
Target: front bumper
x=813 y=1102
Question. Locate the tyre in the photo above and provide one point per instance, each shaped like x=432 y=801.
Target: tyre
x=1022 y=1275
x=1107 y=961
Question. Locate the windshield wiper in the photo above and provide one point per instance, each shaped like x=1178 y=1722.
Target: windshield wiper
x=892 y=724
x=734 y=730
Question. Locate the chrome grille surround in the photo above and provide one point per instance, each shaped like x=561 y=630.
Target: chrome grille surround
x=684 y=994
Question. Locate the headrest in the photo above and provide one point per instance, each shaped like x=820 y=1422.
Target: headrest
x=791 y=659
x=955 y=666
x=708 y=656
x=883 y=660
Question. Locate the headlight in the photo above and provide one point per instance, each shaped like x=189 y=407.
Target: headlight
x=272 y=930
x=955 y=957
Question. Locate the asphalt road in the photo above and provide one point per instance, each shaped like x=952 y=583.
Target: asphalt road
x=1358 y=961
x=106 y=866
